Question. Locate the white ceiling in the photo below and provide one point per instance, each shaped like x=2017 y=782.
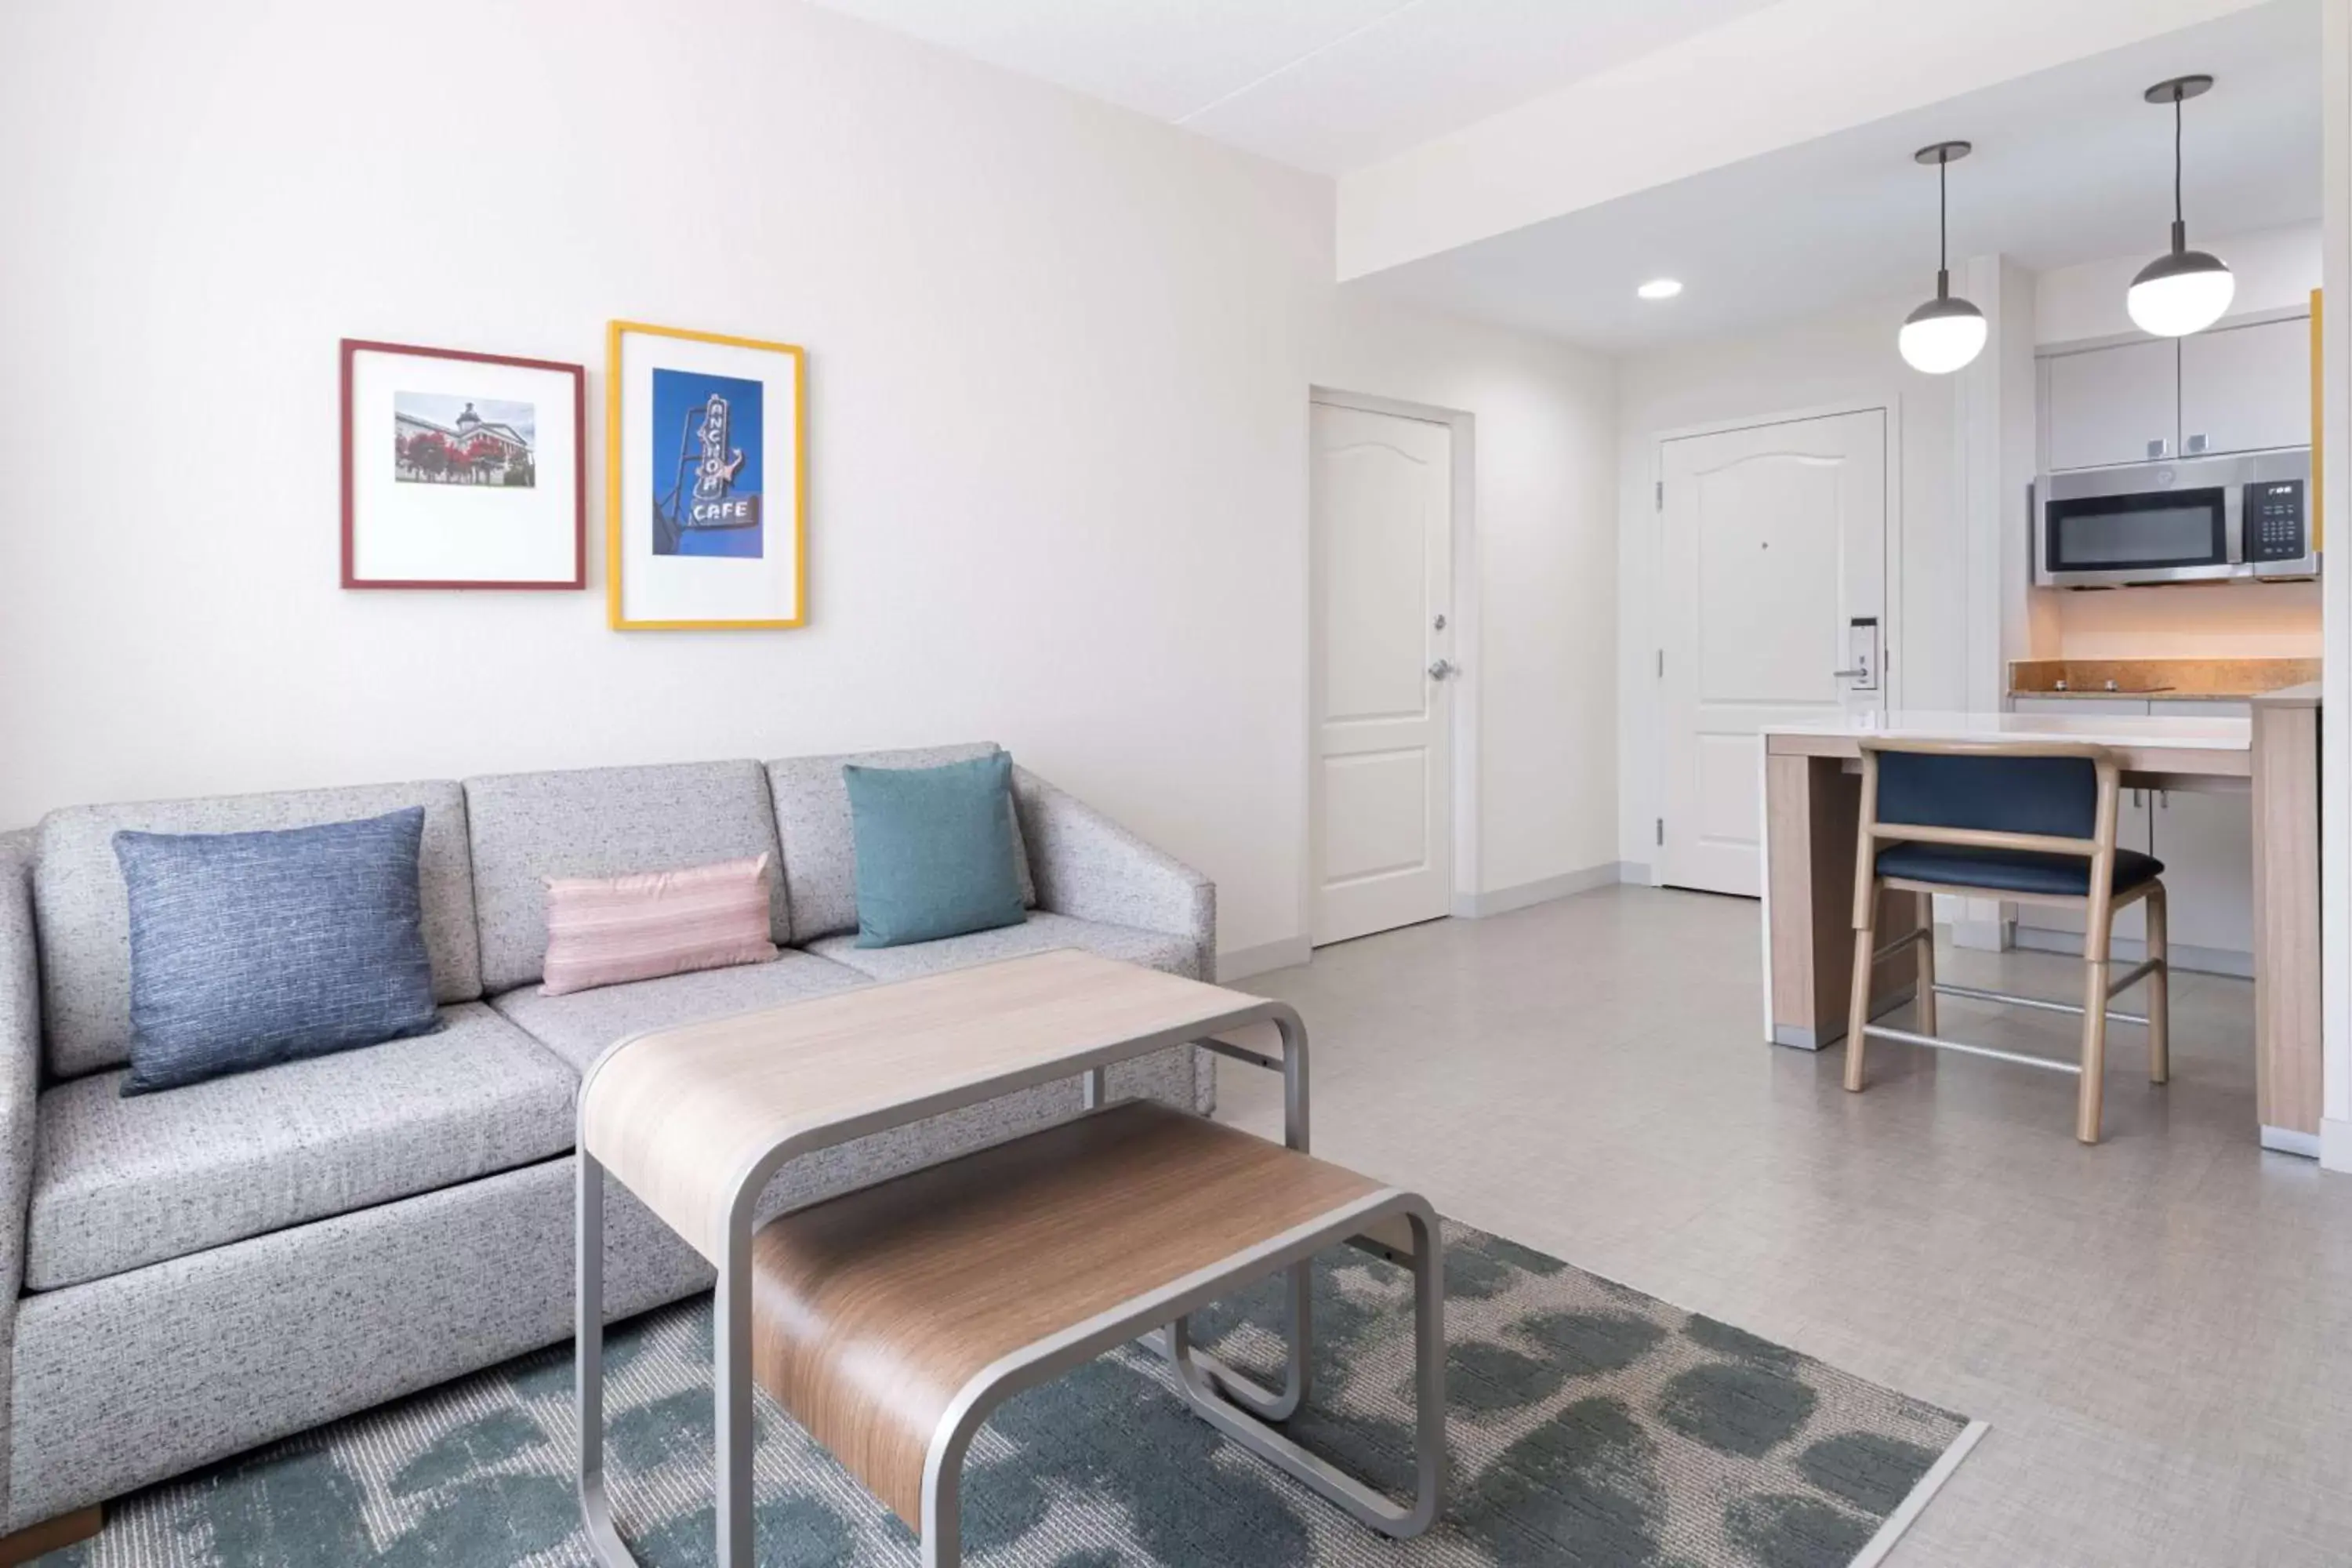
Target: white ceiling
x=1327 y=85
x=2070 y=166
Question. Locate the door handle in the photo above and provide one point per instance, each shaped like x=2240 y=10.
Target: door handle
x=1442 y=668
x=1859 y=672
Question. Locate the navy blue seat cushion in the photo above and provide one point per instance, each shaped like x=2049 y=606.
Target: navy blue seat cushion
x=2011 y=870
x=252 y=949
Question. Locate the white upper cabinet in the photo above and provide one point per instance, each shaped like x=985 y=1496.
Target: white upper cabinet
x=2114 y=406
x=2245 y=388
x=2230 y=389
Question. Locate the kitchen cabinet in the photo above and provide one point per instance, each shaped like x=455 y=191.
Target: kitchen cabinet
x=2246 y=388
x=2043 y=926
x=2207 y=845
x=2119 y=404
x=2227 y=389
x=2205 y=840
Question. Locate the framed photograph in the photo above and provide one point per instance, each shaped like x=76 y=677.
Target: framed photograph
x=462 y=470
x=706 y=451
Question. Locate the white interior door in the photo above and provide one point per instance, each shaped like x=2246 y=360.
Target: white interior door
x=1774 y=583
x=1381 y=807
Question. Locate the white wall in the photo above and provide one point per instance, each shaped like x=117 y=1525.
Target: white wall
x=2276 y=269
x=1846 y=360
x=1059 y=364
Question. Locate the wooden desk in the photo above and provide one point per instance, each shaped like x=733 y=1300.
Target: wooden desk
x=1812 y=805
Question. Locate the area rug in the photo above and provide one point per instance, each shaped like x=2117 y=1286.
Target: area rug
x=1590 y=1427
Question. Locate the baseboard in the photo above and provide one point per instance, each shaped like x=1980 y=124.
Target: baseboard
x=2201 y=960
x=1244 y=961
x=2286 y=1141
x=1503 y=900
x=2336 y=1145
x=1985 y=936
x=1802 y=1039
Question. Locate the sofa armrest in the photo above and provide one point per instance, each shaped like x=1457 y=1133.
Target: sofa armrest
x=20 y=1085
x=1089 y=868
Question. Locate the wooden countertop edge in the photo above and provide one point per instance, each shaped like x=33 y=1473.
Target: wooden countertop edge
x=2304 y=696
x=2139 y=757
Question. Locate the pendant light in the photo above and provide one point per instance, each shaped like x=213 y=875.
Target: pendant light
x=1945 y=333
x=2186 y=290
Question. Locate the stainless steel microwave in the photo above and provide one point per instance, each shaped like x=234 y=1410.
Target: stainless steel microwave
x=2189 y=521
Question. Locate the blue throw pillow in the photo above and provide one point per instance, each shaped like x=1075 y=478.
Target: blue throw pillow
x=251 y=948
x=935 y=851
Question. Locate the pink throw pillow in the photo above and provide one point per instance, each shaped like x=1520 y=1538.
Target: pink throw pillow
x=604 y=931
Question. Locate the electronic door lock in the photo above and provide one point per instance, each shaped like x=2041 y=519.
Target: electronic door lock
x=1861 y=652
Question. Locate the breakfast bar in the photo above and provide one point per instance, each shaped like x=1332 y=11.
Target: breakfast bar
x=2271 y=758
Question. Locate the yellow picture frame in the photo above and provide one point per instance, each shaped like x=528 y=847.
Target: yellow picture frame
x=614 y=496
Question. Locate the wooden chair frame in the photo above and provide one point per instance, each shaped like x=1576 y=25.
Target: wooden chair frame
x=2098 y=905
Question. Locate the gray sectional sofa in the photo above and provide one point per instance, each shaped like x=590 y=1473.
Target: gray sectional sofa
x=187 y=1274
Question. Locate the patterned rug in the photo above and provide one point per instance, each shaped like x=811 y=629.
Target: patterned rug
x=1590 y=1425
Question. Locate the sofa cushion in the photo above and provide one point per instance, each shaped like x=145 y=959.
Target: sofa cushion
x=811 y=805
x=578 y=1026
x=252 y=949
x=85 y=921
x=1041 y=931
x=608 y=931
x=119 y=1183
x=602 y=822
x=935 y=851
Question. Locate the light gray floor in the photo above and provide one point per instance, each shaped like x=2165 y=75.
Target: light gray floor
x=2158 y=1329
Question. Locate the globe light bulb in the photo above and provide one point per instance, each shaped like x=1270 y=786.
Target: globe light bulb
x=1942 y=335
x=2183 y=292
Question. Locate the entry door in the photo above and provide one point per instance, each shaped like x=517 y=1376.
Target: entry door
x=1774 y=588
x=1382 y=816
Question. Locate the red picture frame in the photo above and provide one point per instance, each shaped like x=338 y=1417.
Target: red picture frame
x=575 y=471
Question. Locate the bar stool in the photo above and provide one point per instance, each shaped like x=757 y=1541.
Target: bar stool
x=2021 y=822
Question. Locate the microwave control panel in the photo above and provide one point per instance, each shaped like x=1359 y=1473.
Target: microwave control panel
x=2274 y=525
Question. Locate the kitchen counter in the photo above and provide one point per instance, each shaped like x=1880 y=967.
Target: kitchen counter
x=2269 y=761
x=2130 y=731
x=2158 y=696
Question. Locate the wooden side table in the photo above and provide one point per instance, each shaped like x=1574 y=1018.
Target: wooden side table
x=695 y=1121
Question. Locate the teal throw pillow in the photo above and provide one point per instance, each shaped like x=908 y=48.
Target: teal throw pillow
x=935 y=850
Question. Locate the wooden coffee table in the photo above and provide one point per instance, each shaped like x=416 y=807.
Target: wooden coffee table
x=891 y=1321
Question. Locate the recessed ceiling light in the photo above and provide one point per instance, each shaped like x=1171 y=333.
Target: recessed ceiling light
x=1660 y=289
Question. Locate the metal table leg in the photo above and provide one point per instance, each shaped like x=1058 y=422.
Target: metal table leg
x=1298 y=1282
x=588 y=1365
x=941 y=1531
x=1203 y=1394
